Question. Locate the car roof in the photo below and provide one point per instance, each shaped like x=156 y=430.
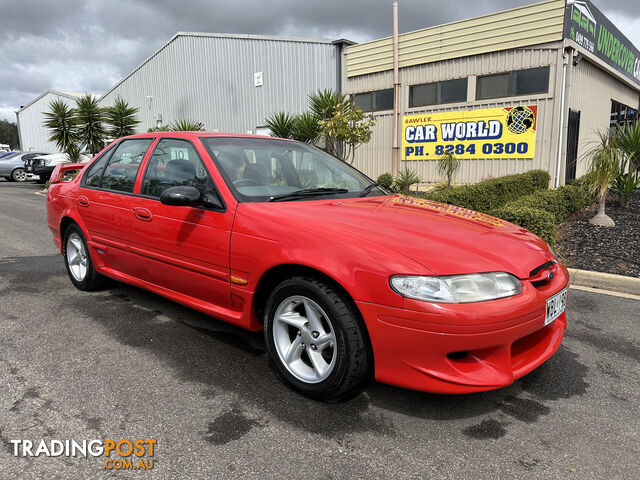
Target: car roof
x=200 y=135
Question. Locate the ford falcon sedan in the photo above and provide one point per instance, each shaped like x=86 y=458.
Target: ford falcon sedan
x=348 y=281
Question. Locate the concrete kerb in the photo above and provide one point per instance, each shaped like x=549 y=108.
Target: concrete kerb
x=605 y=281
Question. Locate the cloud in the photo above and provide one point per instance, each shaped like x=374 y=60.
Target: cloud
x=88 y=46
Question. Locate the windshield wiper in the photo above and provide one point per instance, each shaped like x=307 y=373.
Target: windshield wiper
x=308 y=192
x=367 y=190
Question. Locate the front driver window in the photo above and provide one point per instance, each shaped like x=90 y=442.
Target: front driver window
x=175 y=163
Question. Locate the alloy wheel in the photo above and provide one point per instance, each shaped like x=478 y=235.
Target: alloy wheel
x=304 y=339
x=77 y=257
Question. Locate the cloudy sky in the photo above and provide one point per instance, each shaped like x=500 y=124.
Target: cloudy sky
x=88 y=45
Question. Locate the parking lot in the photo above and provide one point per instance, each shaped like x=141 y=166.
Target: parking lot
x=125 y=363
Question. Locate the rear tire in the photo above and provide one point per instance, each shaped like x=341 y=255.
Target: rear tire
x=77 y=259
x=314 y=339
x=19 y=175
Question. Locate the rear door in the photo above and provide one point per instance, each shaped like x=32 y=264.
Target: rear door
x=105 y=202
x=184 y=249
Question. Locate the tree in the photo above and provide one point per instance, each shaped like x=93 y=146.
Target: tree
x=405 y=179
x=186 y=126
x=603 y=169
x=9 y=134
x=306 y=128
x=63 y=126
x=161 y=128
x=90 y=118
x=121 y=118
x=627 y=182
x=448 y=166
x=325 y=103
x=345 y=130
x=281 y=125
x=628 y=139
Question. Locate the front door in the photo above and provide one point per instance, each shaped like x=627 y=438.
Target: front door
x=104 y=202
x=573 y=131
x=184 y=249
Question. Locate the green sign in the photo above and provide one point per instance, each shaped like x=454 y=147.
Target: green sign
x=589 y=28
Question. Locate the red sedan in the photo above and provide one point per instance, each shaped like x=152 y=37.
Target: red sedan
x=347 y=280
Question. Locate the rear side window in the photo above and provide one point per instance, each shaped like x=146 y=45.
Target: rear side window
x=174 y=163
x=94 y=175
x=122 y=169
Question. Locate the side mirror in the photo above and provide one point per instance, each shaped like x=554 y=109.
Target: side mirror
x=183 y=196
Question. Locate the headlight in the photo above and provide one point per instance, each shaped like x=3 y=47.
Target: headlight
x=473 y=287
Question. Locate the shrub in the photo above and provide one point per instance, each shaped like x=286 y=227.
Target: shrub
x=385 y=180
x=538 y=210
x=537 y=221
x=493 y=193
x=560 y=203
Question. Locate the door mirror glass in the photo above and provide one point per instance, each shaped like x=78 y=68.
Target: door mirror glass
x=182 y=196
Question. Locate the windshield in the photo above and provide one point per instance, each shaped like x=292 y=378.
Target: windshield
x=257 y=170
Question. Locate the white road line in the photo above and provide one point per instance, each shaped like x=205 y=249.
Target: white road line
x=605 y=292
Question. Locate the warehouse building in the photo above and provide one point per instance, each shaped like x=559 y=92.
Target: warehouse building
x=32 y=133
x=231 y=83
x=508 y=92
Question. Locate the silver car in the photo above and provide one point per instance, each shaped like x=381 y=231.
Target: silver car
x=12 y=165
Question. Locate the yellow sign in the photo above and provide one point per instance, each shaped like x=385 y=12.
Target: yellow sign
x=508 y=132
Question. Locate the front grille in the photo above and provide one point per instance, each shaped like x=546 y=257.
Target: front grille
x=542 y=274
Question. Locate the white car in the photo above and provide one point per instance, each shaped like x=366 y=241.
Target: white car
x=43 y=165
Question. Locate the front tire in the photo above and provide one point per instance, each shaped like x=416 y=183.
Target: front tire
x=77 y=259
x=314 y=339
x=19 y=175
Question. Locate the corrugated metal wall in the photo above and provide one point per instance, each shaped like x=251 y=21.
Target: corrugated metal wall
x=375 y=157
x=590 y=90
x=210 y=78
x=519 y=27
x=33 y=135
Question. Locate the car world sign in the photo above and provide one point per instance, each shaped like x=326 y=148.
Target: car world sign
x=484 y=133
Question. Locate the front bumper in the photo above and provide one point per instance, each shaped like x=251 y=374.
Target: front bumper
x=463 y=348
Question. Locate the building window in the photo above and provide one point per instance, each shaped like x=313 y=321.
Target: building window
x=374 y=101
x=622 y=114
x=509 y=84
x=449 y=91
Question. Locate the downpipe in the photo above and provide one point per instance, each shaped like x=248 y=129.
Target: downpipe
x=565 y=62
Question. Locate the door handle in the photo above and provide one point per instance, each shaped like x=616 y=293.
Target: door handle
x=142 y=214
x=83 y=201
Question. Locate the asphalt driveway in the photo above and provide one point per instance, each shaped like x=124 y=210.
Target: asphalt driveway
x=125 y=363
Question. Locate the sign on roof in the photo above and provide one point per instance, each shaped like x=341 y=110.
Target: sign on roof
x=589 y=28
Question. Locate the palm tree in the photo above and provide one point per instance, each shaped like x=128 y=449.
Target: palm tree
x=405 y=179
x=448 y=166
x=325 y=103
x=306 y=128
x=604 y=168
x=63 y=126
x=628 y=139
x=90 y=118
x=121 y=119
x=186 y=126
x=281 y=125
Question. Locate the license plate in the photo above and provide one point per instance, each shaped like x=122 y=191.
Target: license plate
x=555 y=306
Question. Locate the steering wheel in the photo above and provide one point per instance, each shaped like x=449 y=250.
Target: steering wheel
x=245 y=182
